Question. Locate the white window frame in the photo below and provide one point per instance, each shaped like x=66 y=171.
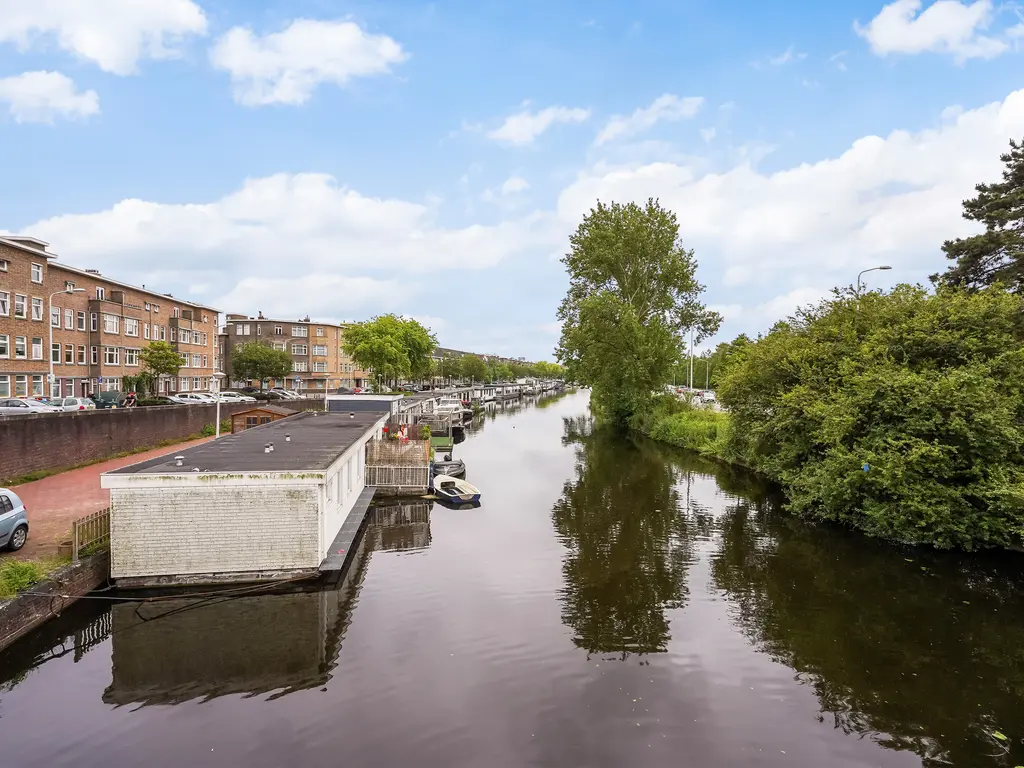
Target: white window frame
x=69 y=352
x=111 y=323
x=94 y=322
x=37 y=349
x=300 y=332
x=101 y=293
x=300 y=349
x=197 y=361
x=69 y=319
x=131 y=357
x=21 y=341
x=5 y=346
x=82 y=358
x=319 y=366
x=20 y=298
x=94 y=355
x=21 y=386
x=81 y=321
x=322 y=353
x=5 y=383
x=129 y=323
x=37 y=385
x=37 y=273
x=145 y=330
x=111 y=352
x=37 y=309
x=163 y=333
x=5 y=304
x=55 y=352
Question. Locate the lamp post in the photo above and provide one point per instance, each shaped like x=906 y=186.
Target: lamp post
x=49 y=321
x=217 y=376
x=864 y=271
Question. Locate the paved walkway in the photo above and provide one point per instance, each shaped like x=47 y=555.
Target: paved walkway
x=55 y=501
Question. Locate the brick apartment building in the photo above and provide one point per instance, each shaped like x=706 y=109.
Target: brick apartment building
x=318 y=363
x=98 y=331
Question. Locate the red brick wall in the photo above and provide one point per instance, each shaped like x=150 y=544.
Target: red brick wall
x=56 y=441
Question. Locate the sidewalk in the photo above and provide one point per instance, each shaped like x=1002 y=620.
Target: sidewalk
x=55 y=501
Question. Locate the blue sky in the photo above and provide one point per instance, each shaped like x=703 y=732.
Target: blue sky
x=345 y=159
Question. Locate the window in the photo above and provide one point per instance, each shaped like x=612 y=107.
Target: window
x=204 y=361
x=81 y=321
x=19 y=306
x=5 y=345
x=242 y=329
x=319 y=367
x=183 y=384
x=163 y=333
x=131 y=326
x=184 y=359
x=147 y=306
x=259 y=331
x=320 y=350
x=93 y=321
x=69 y=285
x=111 y=355
x=37 y=385
x=319 y=331
x=69 y=354
x=69 y=319
x=156 y=307
x=145 y=330
x=184 y=336
x=278 y=330
x=55 y=317
x=111 y=324
x=131 y=357
x=19 y=347
x=299 y=367
x=81 y=354
x=300 y=331
x=37 y=273
x=37 y=310
x=101 y=294
x=5 y=303
x=206 y=318
x=174 y=333
x=280 y=346
x=197 y=361
x=205 y=337
x=55 y=353
x=95 y=355
x=299 y=349
x=3 y=265
x=175 y=312
x=5 y=383
x=37 y=348
x=21 y=386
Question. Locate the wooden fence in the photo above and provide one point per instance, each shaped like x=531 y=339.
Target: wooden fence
x=91 y=532
x=396 y=478
x=392 y=453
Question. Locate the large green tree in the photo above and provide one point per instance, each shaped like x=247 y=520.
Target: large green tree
x=633 y=296
x=997 y=254
x=391 y=346
x=260 y=362
x=160 y=359
x=925 y=390
x=473 y=368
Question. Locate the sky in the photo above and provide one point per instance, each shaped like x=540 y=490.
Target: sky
x=347 y=159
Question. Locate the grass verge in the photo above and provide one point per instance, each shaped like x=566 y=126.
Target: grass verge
x=16 y=575
x=681 y=424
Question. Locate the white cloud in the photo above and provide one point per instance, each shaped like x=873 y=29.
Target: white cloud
x=708 y=134
x=39 y=97
x=736 y=275
x=327 y=297
x=668 y=107
x=552 y=329
x=838 y=60
x=286 y=67
x=787 y=56
x=523 y=127
x=287 y=223
x=113 y=34
x=897 y=198
x=514 y=184
x=946 y=26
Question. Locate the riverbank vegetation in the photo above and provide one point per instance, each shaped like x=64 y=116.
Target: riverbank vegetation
x=898 y=413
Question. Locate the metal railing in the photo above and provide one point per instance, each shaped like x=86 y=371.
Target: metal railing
x=398 y=477
x=90 y=533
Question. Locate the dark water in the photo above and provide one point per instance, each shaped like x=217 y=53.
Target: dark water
x=612 y=603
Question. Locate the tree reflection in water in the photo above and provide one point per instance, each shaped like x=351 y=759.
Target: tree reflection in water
x=628 y=544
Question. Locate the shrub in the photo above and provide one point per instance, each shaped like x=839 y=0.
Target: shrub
x=16 y=575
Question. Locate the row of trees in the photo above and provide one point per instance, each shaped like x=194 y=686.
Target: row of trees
x=476 y=369
x=898 y=413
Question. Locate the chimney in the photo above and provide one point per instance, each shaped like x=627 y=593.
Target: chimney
x=93 y=271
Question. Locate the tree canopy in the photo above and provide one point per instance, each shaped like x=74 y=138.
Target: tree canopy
x=160 y=359
x=633 y=296
x=260 y=362
x=997 y=254
x=473 y=368
x=391 y=346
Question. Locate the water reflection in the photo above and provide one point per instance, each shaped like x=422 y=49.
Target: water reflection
x=629 y=547
x=400 y=526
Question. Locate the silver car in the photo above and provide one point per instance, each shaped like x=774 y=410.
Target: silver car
x=23 y=406
x=73 y=404
x=13 y=520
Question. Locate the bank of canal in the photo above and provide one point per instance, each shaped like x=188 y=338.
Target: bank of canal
x=611 y=603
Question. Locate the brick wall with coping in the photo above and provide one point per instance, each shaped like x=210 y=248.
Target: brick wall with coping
x=62 y=440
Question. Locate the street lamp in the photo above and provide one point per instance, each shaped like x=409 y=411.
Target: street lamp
x=217 y=376
x=49 y=321
x=863 y=271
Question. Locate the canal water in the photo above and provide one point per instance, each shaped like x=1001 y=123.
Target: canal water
x=611 y=603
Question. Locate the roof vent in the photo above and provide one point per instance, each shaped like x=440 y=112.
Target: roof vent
x=93 y=271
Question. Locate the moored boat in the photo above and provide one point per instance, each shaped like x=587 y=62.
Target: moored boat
x=455 y=490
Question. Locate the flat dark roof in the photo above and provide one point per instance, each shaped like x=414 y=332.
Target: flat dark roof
x=317 y=440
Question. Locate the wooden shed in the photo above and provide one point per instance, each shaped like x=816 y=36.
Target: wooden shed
x=260 y=414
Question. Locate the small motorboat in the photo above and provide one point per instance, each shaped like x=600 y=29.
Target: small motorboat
x=453 y=489
x=450 y=467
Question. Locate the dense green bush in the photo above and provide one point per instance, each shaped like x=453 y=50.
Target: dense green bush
x=925 y=389
x=673 y=421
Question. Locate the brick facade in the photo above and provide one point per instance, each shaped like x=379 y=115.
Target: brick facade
x=318 y=363
x=98 y=331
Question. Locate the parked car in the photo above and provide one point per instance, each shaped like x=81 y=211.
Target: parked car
x=287 y=394
x=236 y=397
x=158 y=400
x=74 y=404
x=344 y=391
x=194 y=398
x=23 y=406
x=13 y=521
x=109 y=399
